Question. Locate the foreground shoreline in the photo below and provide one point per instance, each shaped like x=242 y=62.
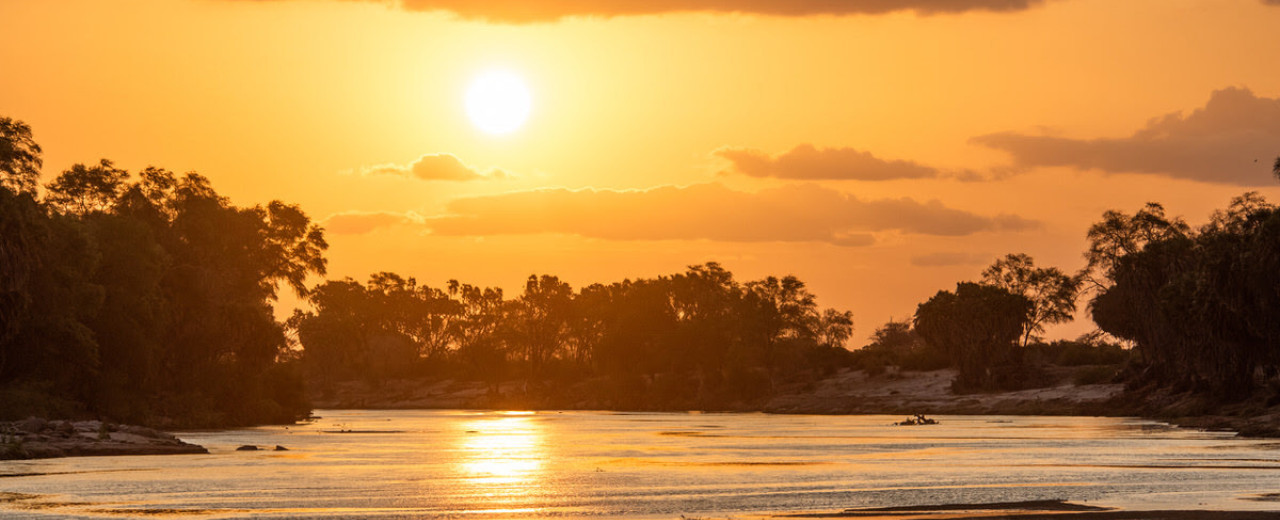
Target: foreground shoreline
x=1033 y=510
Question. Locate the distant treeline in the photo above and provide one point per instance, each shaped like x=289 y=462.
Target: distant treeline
x=144 y=299
x=692 y=339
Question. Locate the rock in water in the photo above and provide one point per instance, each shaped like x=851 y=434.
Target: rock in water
x=247 y=447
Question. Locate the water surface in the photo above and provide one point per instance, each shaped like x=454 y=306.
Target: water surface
x=454 y=464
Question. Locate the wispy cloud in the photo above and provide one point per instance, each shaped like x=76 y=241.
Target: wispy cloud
x=798 y=213
x=436 y=167
x=364 y=222
x=810 y=163
x=951 y=258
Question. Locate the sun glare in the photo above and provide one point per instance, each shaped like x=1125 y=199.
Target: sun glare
x=498 y=102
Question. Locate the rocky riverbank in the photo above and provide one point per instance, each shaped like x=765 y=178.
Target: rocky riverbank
x=36 y=438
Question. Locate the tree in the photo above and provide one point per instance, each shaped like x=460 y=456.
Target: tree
x=894 y=338
x=1119 y=234
x=19 y=157
x=85 y=189
x=1052 y=292
x=835 y=328
x=978 y=327
x=542 y=319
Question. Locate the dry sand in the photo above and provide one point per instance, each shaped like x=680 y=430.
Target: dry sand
x=1033 y=510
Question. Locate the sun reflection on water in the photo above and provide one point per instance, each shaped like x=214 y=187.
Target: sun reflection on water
x=503 y=456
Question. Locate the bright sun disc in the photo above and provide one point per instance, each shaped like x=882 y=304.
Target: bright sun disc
x=498 y=102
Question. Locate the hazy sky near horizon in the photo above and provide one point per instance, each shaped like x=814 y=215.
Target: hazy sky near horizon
x=879 y=150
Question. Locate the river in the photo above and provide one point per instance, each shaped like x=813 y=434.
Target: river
x=460 y=464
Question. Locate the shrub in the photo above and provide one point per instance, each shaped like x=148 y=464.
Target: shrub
x=1097 y=374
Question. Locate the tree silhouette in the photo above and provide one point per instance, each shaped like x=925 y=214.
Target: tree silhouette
x=145 y=300
x=978 y=326
x=20 y=160
x=1052 y=292
x=85 y=189
x=1200 y=306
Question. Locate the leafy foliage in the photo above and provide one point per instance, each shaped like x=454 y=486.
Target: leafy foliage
x=978 y=327
x=1200 y=306
x=147 y=301
x=1052 y=292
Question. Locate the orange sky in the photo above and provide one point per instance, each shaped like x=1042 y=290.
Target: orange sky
x=878 y=154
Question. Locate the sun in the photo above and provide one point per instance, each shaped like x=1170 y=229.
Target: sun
x=498 y=102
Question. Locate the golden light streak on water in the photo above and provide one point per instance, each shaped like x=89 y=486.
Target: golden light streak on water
x=503 y=456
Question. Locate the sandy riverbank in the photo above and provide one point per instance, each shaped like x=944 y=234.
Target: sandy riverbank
x=1033 y=510
x=847 y=392
x=855 y=392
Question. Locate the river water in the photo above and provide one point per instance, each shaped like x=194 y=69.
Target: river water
x=458 y=464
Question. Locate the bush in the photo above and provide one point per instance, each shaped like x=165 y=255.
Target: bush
x=924 y=359
x=1078 y=353
x=1097 y=374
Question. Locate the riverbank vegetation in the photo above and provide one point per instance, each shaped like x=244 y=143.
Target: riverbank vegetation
x=144 y=298
x=693 y=339
x=148 y=298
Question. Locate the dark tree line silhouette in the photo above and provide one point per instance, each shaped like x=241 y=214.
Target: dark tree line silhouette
x=146 y=298
x=692 y=339
x=1202 y=307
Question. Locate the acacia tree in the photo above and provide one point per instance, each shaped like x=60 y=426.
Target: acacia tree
x=1052 y=292
x=835 y=328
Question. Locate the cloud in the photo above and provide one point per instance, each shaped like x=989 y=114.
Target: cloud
x=810 y=163
x=438 y=167
x=531 y=11
x=795 y=213
x=1228 y=141
x=364 y=222
x=950 y=258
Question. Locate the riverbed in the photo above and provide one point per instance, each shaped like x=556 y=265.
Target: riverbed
x=466 y=464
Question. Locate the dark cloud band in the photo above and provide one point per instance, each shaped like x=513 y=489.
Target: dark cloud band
x=531 y=11
x=806 y=162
